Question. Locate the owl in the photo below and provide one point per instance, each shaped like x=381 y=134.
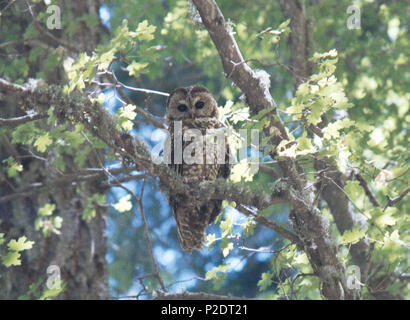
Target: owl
x=191 y=112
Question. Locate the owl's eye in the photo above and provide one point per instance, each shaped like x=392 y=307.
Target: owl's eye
x=199 y=104
x=182 y=108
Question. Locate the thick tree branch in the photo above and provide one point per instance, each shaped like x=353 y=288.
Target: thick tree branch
x=307 y=219
x=78 y=109
x=392 y=201
x=255 y=85
x=13 y=122
x=295 y=11
x=367 y=190
x=186 y=295
x=334 y=196
x=12 y=87
x=331 y=189
x=342 y=211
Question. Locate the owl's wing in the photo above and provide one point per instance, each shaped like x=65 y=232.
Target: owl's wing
x=181 y=213
x=225 y=169
x=223 y=172
x=177 y=167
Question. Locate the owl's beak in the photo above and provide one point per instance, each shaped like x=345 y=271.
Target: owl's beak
x=192 y=113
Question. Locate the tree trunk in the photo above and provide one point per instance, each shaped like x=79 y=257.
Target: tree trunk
x=79 y=250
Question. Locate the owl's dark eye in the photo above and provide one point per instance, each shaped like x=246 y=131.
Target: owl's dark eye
x=199 y=104
x=182 y=108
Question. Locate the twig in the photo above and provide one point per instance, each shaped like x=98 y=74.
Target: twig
x=120 y=84
x=147 y=237
x=148 y=116
x=45 y=32
x=146 y=232
x=292 y=284
x=275 y=226
x=367 y=190
x=392 y=201
x=13 y=122
x=350 y=199
x=16 y=88
x=186 y=295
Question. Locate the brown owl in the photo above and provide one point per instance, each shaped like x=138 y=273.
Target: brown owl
x=191 y=114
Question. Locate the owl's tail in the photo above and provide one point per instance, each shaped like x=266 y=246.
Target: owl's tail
x=192 y=223
x=191 y=228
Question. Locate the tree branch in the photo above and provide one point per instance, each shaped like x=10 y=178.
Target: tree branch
x=78 y=108
x=47 y=33
x=367 y=190
x=13 y=122
x=275 y=226
x=307 y=219
x=392 y=201
x=148 y=116
x=186 y=295
x=295 y=11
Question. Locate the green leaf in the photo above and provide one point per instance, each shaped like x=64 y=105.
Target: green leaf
x=13 y=167
x=305 y=146
x=354 y=235
x=57 y=222
x=222 y=111
x=126 y=114
x=24 y=133
x=20 y=245
x=47 y=209
x=266 y=281
x=210 y=240
x=33 y=291
x=43 y=142
x=332 y=130
x=241 y=170
x=135 y=67
x=301 y=259
x=11 y=259
x=248 y=227
x=58 y=287
x=144 y=31
x=38 y=223
x=89 y=213
x=212 y=274
x=316 y=110
x=353 y=188
x=106 y=59
x=386 y=218
x=226 y=247
x=263 y=113
x=226 y=226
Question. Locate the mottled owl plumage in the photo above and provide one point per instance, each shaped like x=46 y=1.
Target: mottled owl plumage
x=196 y=108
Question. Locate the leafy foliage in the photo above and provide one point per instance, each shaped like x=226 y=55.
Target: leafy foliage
x=12 y=257
x=357 y=96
